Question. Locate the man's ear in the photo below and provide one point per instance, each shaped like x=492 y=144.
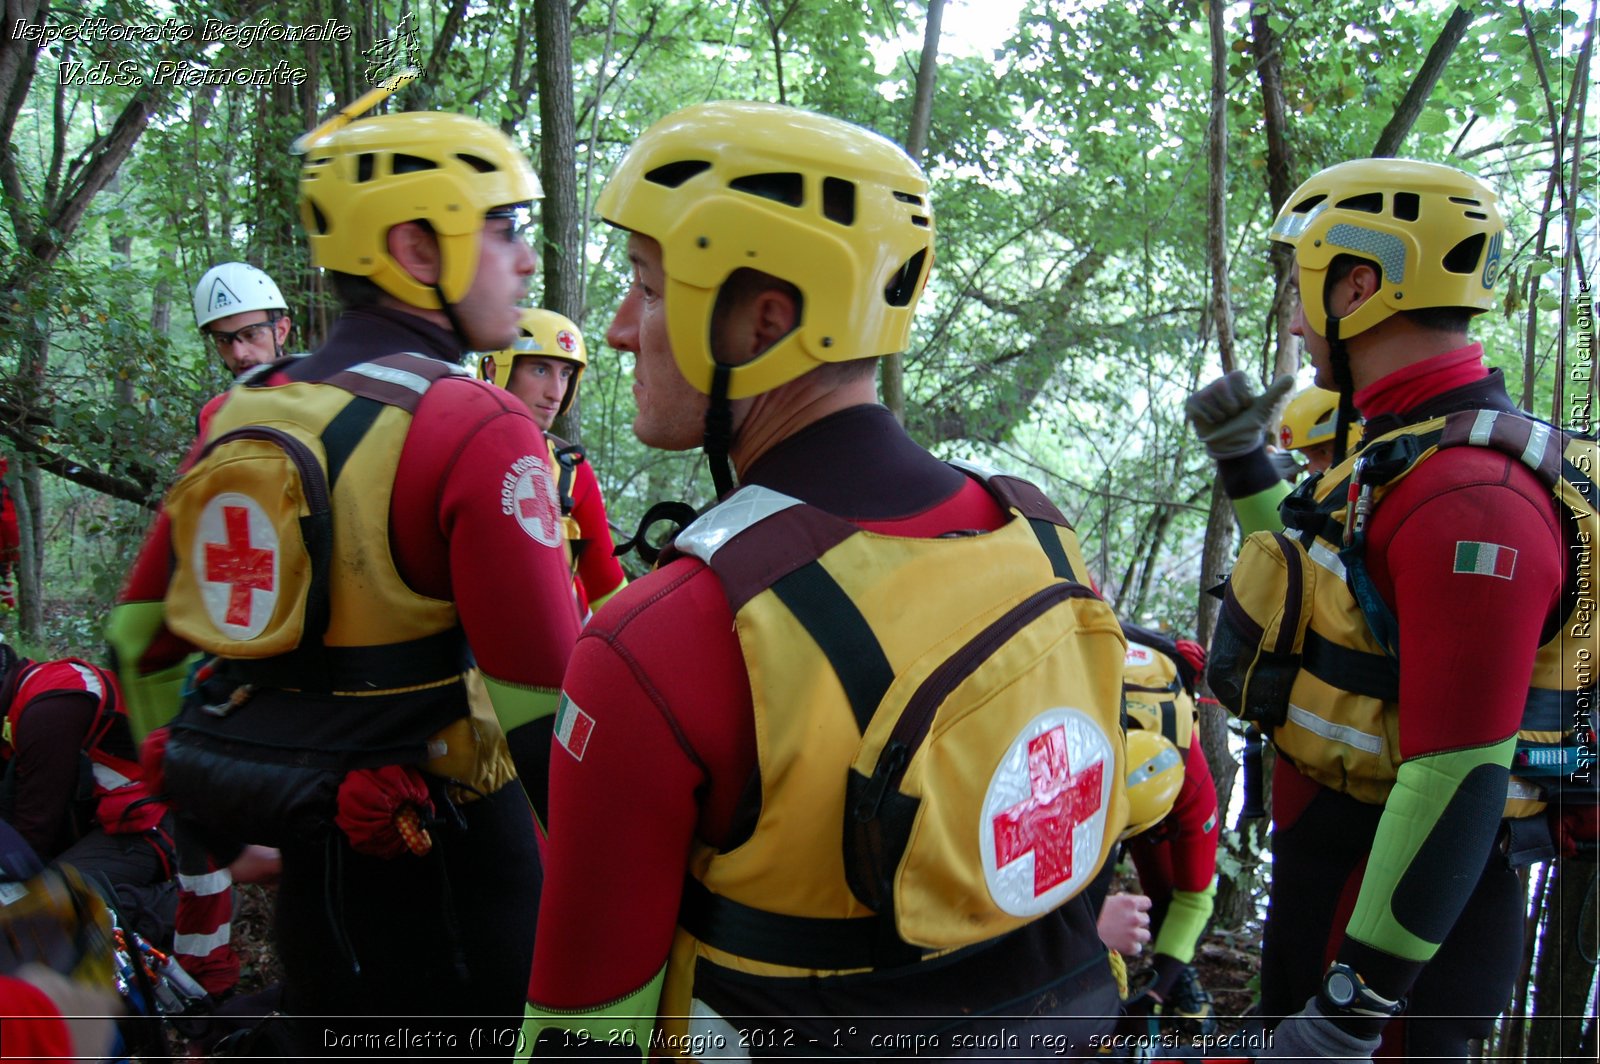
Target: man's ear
x=416 y=249
x=774 y=315
x=1364 y=281
x=281 y=328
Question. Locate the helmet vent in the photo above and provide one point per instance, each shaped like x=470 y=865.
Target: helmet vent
x=318 y=219
x=674 y=174
x=477 y=162
x=1407 y=205
x=1468 y=200
x=902 y=286
x=401 y=163
x=906 y=197
x=920 y=219
x=1463 y=258
x=1305 y=205
x=1476 y=215
x=364 y=163
x=784 y=188
x=839 y=200
x=1371 y=202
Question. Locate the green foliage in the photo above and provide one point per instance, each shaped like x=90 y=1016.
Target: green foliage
x=1066 y=318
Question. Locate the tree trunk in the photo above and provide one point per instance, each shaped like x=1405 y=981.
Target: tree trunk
x=894 y=369
x=1565 y=972
x=1280 y=178
x=1416 y=97
x=558 y=149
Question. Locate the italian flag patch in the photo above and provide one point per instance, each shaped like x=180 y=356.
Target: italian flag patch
x=573 y=727
x=1485 y=559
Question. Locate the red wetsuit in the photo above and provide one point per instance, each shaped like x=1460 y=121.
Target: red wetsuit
x=1466 y=646
x=672 y=748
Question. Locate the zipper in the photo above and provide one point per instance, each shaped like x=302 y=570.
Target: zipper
x=917 y=717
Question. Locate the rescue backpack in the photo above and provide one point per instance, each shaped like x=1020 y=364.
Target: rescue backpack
x=257 y=549
x=937 y=724
x=1158 y=687
x=1307 y=649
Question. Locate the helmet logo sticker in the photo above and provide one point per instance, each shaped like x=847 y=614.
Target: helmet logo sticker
x=222 y=295
x=528 y=494
x=1138 y=655
x=1491 y=262
x=566 y=341
x=235 y=560
x=1043 y=821
x=1285 y=436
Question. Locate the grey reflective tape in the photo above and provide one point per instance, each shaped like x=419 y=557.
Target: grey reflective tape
x=1482 y=428
x=1521 y=789
x=1387 y=248
x=1538 y=440
x=744 y=508
x=1339 y=733
x=1326 y=558
x=389 y=375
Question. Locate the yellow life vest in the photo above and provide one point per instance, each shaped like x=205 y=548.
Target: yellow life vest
x=949 y=705
x=1306 y=648
x=564 y=461
x=1154 y=696
x=280 y=530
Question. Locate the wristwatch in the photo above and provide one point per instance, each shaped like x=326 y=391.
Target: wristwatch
x=1346 y=991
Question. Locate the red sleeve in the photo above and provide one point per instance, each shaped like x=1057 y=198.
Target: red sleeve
x=48 y=734
x=1194 y=815
x=598 y=571
x=650 y=778
x=1467 y=637
x=463 y=533
x=32 y=1030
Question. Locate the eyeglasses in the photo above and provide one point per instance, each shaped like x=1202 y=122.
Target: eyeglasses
x=520 y=231
x=250 y=334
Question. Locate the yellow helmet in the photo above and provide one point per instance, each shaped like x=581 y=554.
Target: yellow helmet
x=544 y=334
x=1436 y=232
x=1155 y=775
x=832 y=208
x=361 y=180
x=1308 y=421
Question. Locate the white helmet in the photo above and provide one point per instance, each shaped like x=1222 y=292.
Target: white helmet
x=233 y=288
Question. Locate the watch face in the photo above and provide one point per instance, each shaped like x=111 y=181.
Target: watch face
x=1341 y=988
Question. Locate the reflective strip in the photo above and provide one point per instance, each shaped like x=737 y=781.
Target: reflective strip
x=1387 y=248
x=206 y=885
x=1339 y=733
x=980 y=470
x=109 y=778
x=91 y=679
x=1538 y=440
x=199 y=945
x=1323 y=556
x=389 y=375
x=715 y=1037
x=1482 y=428
x=1520 y=789
x=526 y=343
x=743 y=509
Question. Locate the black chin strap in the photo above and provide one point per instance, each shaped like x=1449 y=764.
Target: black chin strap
x=450 y=314
x=1339 y=360
x=719 y=431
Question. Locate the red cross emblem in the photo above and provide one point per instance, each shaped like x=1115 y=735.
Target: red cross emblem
x=534 y=508
x=1043 y=822
x=239 y=565
x=566 y=341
